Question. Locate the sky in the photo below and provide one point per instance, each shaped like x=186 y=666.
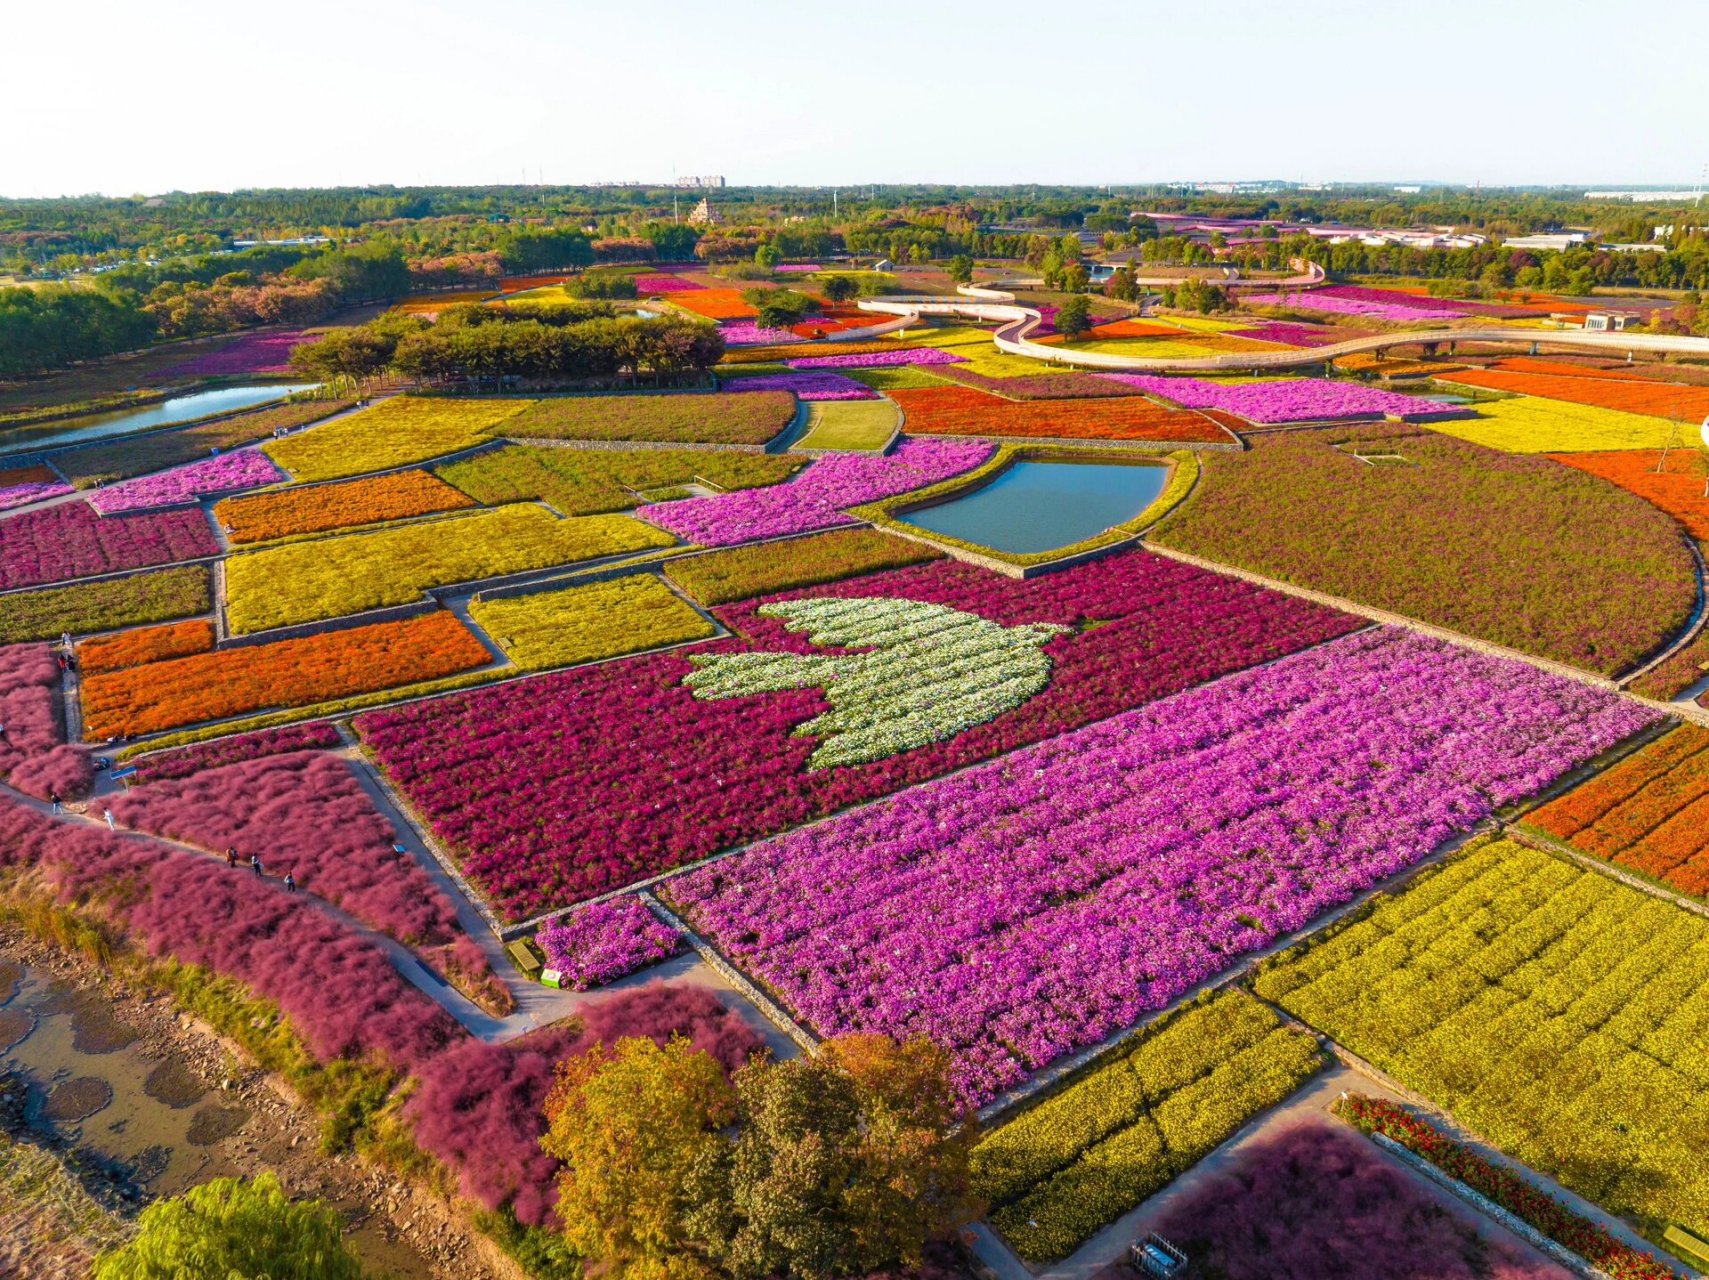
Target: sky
x=122 y=98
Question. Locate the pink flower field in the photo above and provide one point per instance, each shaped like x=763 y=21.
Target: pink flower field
x=222 y=473
x=1291 y=400
x=253 y=353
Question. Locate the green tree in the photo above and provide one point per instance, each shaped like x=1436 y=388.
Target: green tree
x=231 y=1229
x=1074 y=317
x=839 y=289
x=540 y=249
x=1075 y=278
x=846 y=1162
x=1122 y=286
x=961 y=268
x=637 y=1128
x=767 y=256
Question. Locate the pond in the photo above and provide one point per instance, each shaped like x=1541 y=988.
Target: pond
x=1034 y=506
x=200 y=404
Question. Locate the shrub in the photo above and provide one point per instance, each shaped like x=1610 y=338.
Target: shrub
x=688 y=418
x=286 y=673
x=332 y=577
x=97 y=606
x=1522 y=552
x=584 y=624
x=295 y=511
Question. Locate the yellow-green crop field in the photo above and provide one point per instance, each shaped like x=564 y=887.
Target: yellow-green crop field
x=585 y=624
x=394 y=433
x=1531 y=424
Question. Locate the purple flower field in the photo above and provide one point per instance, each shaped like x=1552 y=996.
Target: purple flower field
x=1395 y=312
x=252 y=353
x=797 y=268
x=745 y=333
x=20 y=495
x=1299 y=335
x=1296 y=400
x=817 y=497
x=1033 y=905
x=606 y=941
x=880 y=359
x=240 y=469
x=812 y=385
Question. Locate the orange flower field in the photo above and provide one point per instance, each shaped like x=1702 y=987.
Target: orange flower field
x=1678 y=490
x=962 y=411
x=715 y=304
x=315 y=509
x=1648 y=812
x=145 y=645
x=1631 y=395
x=286 y=673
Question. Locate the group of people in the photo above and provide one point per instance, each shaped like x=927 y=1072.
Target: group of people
x=290 y=881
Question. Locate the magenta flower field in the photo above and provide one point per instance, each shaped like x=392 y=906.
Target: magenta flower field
x=20 y=495
x=1300 y=335
x=646 y=285
x=606 y=941
x=222 y=473
x=252 y=353
x=880 y=359
x=811 y=384
x=569 y=785
x=72 y=541
x=1293 y=400
x=1394 y=311
x=817 y=497
x=1029 y=907
x=746 y=333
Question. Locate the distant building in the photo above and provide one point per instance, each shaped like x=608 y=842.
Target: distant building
x=884 y=264
x=1557 y=242
x=708 y=180
x=1610 y=321
x=705 y=215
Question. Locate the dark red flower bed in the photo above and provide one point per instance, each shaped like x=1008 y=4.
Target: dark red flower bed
x=71 y=541
x=562 y=787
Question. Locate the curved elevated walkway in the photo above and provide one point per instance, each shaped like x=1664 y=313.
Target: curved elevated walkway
x=1015 y=322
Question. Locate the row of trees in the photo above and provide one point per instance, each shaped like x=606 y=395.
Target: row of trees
x=831 y=1165
x=561 y=344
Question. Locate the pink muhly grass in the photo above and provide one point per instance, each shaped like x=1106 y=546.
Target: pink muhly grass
x=30 y=709
x=304 y=813
x=66 y=771
x=185 y=761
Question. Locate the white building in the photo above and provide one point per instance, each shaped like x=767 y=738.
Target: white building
x=1556 y=242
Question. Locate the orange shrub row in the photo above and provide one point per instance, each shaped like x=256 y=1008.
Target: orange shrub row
x=1135 y=329
x=286 y=673
x=1650 y=812
x=146 y=644
x=791 y=351
x=962 y=411
x=715 y=304
x=1658 y=399
x=1678 y=490
x=1538 y=364
x=283 y=512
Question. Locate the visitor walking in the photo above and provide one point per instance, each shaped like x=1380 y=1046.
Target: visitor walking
x=290 y=883
x=53 y=799
x=255 y=865
x=231 y=856
x=108 y=815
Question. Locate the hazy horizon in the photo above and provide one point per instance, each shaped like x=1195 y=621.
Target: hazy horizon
x=194 y=96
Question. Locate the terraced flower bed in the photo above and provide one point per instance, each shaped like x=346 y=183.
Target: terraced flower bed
x=1530 y=424
x=962 y=411
x=603 y=743
x=1566 y=1031
x=737 y=573
x=394 y=433
x=583 y=624
x=332 y=577
x=809 y=384
x=185 y=761
x=697 y=418
x=289 y=673
x=1059 y=1171
x=817 y=498
x=1093 y=877
x=879 y=359
x=1523 y=552
x=292 y=512
x=1590 y=387
x=242 y=469
x=145 y=644
x=55 y=544
x=24 y=485
x=96 y=606
x=583 y=482
x=1672 y=480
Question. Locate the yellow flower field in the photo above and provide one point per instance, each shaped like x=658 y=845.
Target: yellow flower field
x=1554 y=1011
x=1530 y=424
x=333 y=577
x=1087 y=1154
x=394 y=433
x=584 y=624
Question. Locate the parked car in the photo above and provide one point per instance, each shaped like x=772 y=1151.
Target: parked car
x=1155 y=1256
